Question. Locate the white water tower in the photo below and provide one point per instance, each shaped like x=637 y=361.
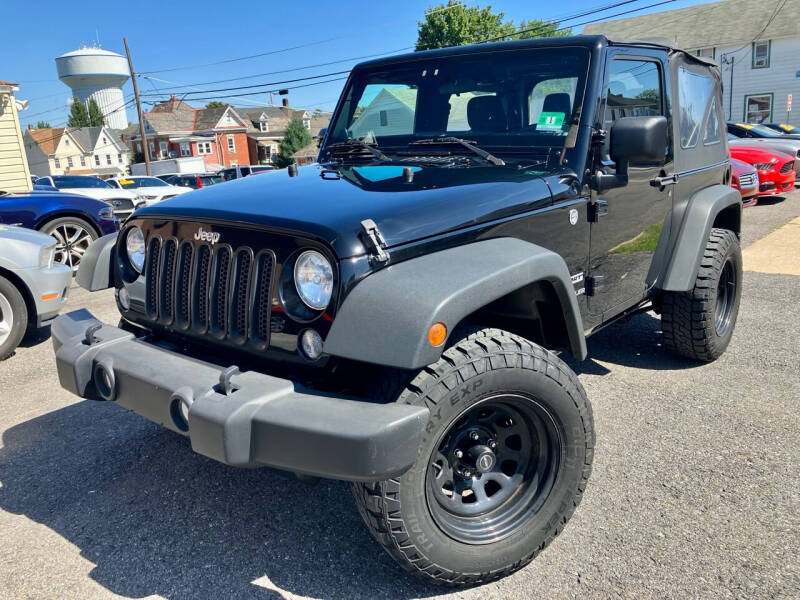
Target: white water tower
x=99 y=74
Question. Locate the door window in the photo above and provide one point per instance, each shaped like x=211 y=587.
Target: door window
x=634 y=90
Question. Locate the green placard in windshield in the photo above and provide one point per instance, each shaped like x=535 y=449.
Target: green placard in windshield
x=550 y=121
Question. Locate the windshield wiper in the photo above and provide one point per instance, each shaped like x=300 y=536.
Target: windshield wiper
x=469 y=145
x=354 y=142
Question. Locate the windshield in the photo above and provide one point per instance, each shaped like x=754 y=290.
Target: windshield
x=78 y=181
x=139 y=182
x=506 y=101
x=761 y=131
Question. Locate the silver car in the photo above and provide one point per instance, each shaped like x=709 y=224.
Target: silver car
x=33 y=288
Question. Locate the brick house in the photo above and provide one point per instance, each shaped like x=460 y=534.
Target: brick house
x=266 y=126
x=175 y=129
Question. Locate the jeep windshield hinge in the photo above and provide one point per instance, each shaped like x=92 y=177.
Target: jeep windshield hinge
x=373 y=241
x=597 y=209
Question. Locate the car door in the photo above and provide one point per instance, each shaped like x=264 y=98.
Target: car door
x=628 y=221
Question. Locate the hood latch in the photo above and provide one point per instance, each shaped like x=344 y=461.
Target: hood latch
x=373 y=241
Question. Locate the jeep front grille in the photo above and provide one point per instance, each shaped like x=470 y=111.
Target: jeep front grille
x=221 y=293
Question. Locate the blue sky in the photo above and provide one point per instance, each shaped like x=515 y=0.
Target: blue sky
x=170 y=34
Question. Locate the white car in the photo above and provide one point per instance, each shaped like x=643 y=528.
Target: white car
x=123 y=202
x=148 y=189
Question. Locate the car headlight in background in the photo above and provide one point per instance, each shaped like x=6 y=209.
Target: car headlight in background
x=313 y=278
x=134 y=246
x=46 y=255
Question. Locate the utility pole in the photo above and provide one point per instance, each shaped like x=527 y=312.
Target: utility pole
x=145 y=148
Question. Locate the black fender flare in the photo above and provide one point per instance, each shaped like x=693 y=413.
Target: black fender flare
x=702 y=210
x=96 y=269
x=385 y=318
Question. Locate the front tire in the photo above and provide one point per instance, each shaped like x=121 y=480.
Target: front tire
x=73 y=236
x=503 y=464
x=13 y=318
x=698 y=324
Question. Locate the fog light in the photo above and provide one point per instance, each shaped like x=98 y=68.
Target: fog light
x=124 y=298
x=311 y=344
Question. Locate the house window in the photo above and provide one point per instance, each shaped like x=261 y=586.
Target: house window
x=384 y=118
x=204 y=147
x=758 y=108
x=186 y=149
x=307 y=124
x=108 y=159
x=231 y=144
x=138 y=147
x=57 y=163
x=263 y=125
x=761 y=51
x=69 y=162
x=96 y=160
x=105 y=141
x=83 y=161
x=162 y=147
x=119 y=158
x=152 y=147
x=706 y=52
x=66 y=142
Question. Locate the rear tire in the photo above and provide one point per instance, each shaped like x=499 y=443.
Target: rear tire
x=503 y=463
x=13 y=318
x=698 y=324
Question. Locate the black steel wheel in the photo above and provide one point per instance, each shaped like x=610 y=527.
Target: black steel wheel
x=493 y=468
x=503 y=463
x=726 y=297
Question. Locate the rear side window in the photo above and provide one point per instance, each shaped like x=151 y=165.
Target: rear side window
x=695 y=95
x=712 y=125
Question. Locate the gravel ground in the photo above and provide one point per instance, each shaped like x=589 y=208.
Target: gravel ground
x=695 y=491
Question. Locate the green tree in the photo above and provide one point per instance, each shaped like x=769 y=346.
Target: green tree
x=95 y=114
x=454 y=24
x=43 y=125
x=78 y=115
x=217 y=104
x=297 y=137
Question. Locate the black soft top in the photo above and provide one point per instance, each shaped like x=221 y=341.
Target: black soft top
x=587 y=41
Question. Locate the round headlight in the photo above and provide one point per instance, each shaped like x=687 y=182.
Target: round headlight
x=313 y=278
x=134 y=246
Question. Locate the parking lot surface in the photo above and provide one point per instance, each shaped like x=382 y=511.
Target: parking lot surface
x=695 y=491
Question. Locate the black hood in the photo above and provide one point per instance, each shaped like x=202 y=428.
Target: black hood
x=330 y=205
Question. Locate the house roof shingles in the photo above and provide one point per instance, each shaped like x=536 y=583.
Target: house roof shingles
x=47 y=138
x=729 y=23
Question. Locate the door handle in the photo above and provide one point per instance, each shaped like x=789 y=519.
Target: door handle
x=663 y=180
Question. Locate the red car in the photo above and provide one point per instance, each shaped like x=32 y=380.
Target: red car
x=775 y=169
x=744 y=178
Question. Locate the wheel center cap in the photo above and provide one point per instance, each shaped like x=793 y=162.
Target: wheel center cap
x=482 y=458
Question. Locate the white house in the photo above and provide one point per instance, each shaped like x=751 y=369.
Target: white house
x=757 y=45
x=14 y=175
x=79 y=151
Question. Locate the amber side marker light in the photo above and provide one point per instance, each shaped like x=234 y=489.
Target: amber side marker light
x=437 y=334
x=50 y=296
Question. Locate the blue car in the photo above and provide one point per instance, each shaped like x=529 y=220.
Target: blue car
x=74 y=221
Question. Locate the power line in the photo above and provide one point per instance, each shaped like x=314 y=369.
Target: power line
x=288 y=49
x=246 y=94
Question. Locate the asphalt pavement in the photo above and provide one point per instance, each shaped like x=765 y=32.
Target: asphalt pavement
x=695 y=491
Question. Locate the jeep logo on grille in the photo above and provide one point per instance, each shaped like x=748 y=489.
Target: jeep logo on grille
x=206 y=236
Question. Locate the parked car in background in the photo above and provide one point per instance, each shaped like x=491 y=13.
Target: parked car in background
x=44 y=187
x=751 y=130
x=781 y=144
x=776 y=172
x=194 y=181
x=744 y=178
x=123 y=202
x=33 y=287
x=147 y=189
x=783 y=128
x=73 y=220
x=243 y=171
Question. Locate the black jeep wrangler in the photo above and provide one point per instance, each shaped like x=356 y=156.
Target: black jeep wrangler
x=391 y=316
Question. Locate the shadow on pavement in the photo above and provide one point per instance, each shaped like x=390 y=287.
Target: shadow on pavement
x=34 y=337
x=637 y=343
x=155 y=518
x=769 y=201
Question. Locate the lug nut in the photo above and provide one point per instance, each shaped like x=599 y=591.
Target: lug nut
x=492 y=444
x=458 y=453
x=467 y=473
x=474 y=436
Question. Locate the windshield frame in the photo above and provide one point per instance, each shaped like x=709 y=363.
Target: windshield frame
x=526 y=143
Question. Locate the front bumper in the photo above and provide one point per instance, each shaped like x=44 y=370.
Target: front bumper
x=49 y=288
x=240 y=419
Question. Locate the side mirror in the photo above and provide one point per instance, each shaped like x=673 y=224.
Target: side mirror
x=321 y=136
x=639 y=139
x=633 y=140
